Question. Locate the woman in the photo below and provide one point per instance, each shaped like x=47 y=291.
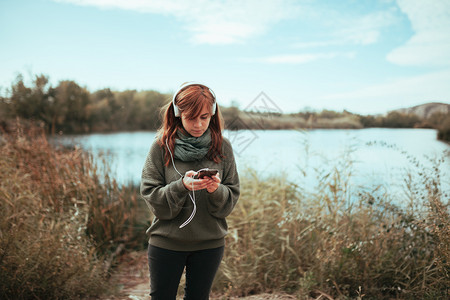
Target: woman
x=189 y=226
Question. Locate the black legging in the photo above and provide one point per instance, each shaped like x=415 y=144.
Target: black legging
x=166 y=268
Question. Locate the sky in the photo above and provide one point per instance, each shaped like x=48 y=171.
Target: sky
x=364 y=56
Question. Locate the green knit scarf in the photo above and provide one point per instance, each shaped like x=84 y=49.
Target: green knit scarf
x=190 y=148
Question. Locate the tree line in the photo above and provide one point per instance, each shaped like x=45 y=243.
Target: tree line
x=71 y=108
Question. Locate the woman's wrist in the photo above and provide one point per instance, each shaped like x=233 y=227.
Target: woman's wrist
x=184 y=183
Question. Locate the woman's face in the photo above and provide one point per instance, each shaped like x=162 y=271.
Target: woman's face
x=196 y=127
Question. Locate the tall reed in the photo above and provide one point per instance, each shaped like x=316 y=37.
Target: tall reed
x=60 y=221
x=338 y=241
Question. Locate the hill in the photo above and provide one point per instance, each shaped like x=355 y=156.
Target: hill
x=424 y=111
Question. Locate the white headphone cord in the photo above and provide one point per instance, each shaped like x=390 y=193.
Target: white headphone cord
x=191 y=196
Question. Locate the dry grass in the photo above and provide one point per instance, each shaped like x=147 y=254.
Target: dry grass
x=60 y=222
x=275 y=122
x=336 y=242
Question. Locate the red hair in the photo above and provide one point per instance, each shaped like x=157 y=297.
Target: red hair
x=190 y=101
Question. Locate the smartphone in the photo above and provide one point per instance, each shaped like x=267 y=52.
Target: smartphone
x=206 y=173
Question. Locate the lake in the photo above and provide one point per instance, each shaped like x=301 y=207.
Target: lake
x=374 y=156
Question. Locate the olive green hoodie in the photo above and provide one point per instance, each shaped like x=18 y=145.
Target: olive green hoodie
x=168 y=199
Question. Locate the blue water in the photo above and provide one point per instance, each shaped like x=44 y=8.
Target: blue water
x=370 y=157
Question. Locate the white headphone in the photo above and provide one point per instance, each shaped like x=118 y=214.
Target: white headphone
x=176 y=110
x=191 y=196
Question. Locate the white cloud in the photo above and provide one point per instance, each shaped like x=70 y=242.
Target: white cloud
x=211 y=22
x=364 y=30
x=343 y=28
x=430 y=44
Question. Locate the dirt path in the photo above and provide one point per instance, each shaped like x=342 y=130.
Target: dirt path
x=131 y=277
x=132 y=281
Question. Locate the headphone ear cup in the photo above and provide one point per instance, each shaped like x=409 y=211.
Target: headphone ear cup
x=214 y=107
x=176 y=110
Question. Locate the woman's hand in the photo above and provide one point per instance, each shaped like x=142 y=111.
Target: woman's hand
x=209 y=183
x=193 y=184
x=213 y=183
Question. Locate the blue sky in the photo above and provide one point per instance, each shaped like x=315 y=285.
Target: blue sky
x=365 y=56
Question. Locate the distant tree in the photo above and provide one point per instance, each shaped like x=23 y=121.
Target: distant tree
x=100 y=110
x=53 y=112
x=148 y=106
x=371 y=121
x=306 y=115
x=124 y=117
x=29 y=102
x=33 y=103
x=329 y=114
x=444 y=129
x=399 y=120
x=230 y=114
x=5 y=112
x=438 y=118
x=441 y=121
x=73 y=102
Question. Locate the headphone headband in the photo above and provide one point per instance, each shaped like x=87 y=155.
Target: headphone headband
x=186 y=84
